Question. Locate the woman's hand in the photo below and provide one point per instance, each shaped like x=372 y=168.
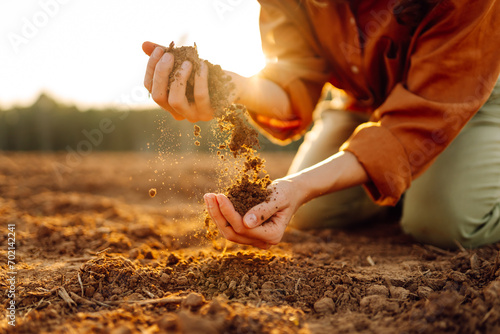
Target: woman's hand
x=174 y=100
x=264 y=224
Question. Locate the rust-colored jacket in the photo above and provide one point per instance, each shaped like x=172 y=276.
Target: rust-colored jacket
x=420 y=87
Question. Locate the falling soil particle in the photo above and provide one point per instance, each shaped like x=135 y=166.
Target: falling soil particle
x=197 y=130
x=250 y=187
x=197 y=143
x=152 y=192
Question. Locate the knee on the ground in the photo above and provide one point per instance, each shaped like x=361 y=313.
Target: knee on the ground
x=451 y=227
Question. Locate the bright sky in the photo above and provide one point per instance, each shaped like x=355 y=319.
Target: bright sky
x=89 y=52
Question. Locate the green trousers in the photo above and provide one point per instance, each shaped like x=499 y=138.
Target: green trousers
x=457 y=200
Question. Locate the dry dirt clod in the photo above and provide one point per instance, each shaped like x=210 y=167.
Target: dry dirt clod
x=424 y=292
x=399 y=293
x=268 y=285
x=197 y=130
x=380 y=290
x=324 y=305
x=193 y=300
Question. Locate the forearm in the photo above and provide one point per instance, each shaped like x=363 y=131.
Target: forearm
x=262 y=96
x=338 y=172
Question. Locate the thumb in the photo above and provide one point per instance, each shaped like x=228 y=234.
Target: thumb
x=259 y=214
x=149 y=47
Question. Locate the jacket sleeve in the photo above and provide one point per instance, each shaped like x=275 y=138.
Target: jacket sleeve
x=453 y=65
x=294 y=63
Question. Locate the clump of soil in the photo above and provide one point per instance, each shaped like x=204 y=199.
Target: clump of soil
x=219 y=84
x=197 y=130
x=250 y=187
x=152 y=192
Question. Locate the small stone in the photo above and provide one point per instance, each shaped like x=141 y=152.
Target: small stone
x=458 y=276
x=268 y=285
x=117 y=291
x=182 y=280
x=148 y=254
x=399 y=293
x=324 y=305
x=346 y=279
x=172 y=259
x=379 y=290
x=193 y=300
x=424 y=292
x=164 y=278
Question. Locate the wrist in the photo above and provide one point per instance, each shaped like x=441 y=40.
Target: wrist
x=237 y=80
x=338 y=172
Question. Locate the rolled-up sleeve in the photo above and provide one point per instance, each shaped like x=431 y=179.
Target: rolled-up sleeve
x=453 y=65
x=293 y=62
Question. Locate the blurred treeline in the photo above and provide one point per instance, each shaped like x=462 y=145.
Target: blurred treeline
x=50 y=126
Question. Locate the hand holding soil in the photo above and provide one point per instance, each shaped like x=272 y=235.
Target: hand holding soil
x=178 y=81
x=193 y=89
x=264 y=224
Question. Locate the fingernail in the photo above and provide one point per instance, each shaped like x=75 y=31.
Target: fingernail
x=158 y=52
x=209 y=199
x=166 y=57
x=250 y=220
x=219 y=198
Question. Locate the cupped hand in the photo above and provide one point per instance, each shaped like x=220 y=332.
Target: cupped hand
x=264 y=224
x=174 y=100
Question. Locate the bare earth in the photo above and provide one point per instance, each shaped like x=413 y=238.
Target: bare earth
x=96 y=254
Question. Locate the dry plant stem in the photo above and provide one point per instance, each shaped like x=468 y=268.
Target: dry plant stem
x=80 y=300
x=159 y=301
x=64 y=295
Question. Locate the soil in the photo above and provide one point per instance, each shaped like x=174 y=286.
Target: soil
x=96 y=254
x=249 y=188
x=219 y=84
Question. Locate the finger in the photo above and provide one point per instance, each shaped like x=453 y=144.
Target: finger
x=260 y=213
x=149 y=47
x=201 y=93
x=159 y=91
x=227 y=209
x=177 y=96
x=150 y=68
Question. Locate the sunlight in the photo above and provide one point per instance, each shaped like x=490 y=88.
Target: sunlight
x=93 y=58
